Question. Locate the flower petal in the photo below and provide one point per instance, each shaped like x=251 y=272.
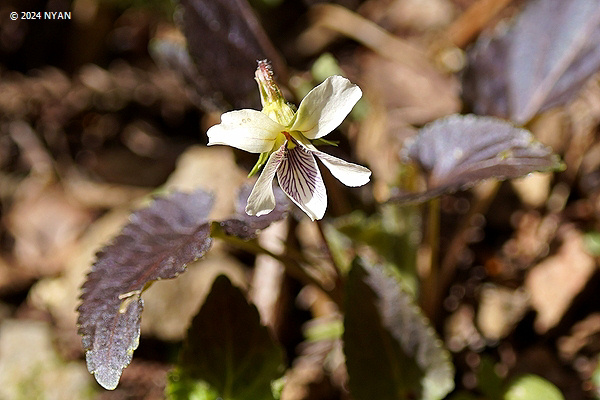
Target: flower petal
x=349 y=174
x=301 y=180
x=262 y=200
x=326 y=106
x=249 y=130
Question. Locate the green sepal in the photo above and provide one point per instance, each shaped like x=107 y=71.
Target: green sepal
x=322 y=142
x=262 y=159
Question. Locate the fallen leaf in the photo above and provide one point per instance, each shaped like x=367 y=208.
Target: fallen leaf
x=558 y=279
x=499 y=310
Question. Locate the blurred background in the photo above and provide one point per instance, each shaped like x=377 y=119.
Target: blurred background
x=102 y=109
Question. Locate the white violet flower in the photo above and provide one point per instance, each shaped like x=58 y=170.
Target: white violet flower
x=283 y=138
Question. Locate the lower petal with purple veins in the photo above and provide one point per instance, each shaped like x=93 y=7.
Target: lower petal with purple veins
x=299 y=177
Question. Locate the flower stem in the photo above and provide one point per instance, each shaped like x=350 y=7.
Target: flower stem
x=337 y=278
x=429 y=289
x=291 y=265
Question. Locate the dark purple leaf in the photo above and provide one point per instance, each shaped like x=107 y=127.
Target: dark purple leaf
x=392 y=352
x=228 y=348
x=540 y=62
x=247 y=226
x=485 y=83
x=172 y=53
x=458 y=151
x=225 y=39
x=157 y=243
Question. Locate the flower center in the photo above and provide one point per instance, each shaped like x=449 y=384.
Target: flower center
x=291 y=141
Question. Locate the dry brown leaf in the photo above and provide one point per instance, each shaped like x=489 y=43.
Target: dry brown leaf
x=269 y=273
x=339 y=19
x=460 y=331
x=58 y=295
x=582 y=338
x=533 y=189
x=414 y=96
x=473 y=20
x=399 y=97
x=170 y=305
x=212 y=169
x=581 y=347
x=319 y=371
x=100 y=195
x=533 y=234
x=417 y=15
x=45 y=224
x=554 y=282
x=499 y=310
x=31 y=368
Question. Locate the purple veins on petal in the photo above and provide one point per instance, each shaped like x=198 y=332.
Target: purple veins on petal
x=301 y=180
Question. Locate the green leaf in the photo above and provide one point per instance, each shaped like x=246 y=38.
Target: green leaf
x=229 y=349
x=390 y=233
x=489 y=383
x=325 y=142
x=595 y=379
x=180 y=387
x=591 y=241
x=392 y=352
x=463 y=396
x=323 y=329
x=325 y=66
x=532 y=387
x=277 y=387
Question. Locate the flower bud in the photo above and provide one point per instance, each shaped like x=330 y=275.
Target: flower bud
x=273 y=102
